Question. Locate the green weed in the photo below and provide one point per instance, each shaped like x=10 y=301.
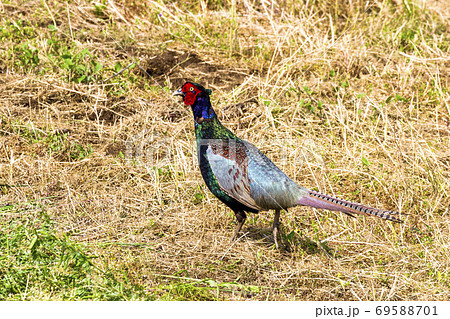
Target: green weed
x=186 y=288
x=36 y=262
x=82 y=66
x=57 y=144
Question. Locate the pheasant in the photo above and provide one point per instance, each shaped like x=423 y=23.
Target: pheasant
x=246 y=180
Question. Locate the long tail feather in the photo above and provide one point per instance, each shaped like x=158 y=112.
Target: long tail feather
x=318 y=200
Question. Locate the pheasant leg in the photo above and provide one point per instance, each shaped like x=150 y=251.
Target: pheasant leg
x=241 y=217
x=276 y=227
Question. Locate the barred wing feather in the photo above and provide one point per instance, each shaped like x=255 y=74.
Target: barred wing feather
x=231 y=174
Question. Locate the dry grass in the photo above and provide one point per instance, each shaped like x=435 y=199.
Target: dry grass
x=347 y=97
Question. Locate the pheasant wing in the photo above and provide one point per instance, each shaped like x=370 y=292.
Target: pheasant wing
x=229 y=163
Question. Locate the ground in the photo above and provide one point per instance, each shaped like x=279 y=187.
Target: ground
x=100 y=194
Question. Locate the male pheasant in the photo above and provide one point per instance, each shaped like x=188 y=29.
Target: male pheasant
x=246 y=180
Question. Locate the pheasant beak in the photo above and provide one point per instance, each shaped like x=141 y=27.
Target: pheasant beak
x=179 y=92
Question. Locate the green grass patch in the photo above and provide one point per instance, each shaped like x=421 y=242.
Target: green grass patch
x=39 y=263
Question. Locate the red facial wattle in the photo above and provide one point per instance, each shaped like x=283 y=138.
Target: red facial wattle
x=190 y=92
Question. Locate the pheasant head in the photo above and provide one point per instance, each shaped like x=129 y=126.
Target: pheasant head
x=197 y=97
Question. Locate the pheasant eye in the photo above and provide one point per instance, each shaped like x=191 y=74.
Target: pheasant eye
x=191 y=88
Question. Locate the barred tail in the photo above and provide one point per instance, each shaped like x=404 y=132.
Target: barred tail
x=318 y=200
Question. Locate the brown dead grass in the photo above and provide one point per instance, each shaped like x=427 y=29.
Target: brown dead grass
x=114 y=202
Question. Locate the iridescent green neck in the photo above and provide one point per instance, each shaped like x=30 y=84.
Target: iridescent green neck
x=212 y=129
